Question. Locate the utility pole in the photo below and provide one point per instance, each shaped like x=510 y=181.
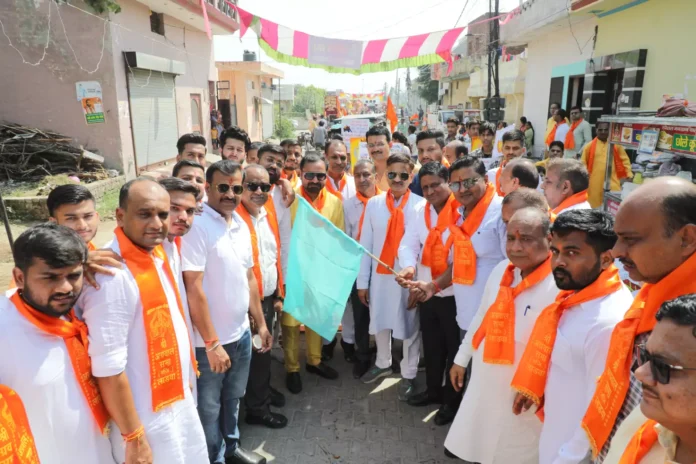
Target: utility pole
x=496 y=28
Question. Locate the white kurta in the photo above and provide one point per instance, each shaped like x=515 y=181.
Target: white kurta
x=388 y=300
x=578 y=359
x=489 y=244
x=352 y=210
x=583 y=205
x=485 y=430
x=348 y=190
x=37 y=366
x=117 y=343
x=284 y=226
x=411 y=248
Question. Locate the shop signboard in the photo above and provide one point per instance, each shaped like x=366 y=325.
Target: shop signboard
x=331 y=105
x=678 y=139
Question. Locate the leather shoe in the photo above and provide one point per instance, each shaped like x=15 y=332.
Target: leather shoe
x=277 y=398
x=444 y=415
x=322 y=370
x=294 y=382
x=360 y=368
x=327 y=351
x=242 y=456
x=348 y=352
x=270 y=420
x=424 y=398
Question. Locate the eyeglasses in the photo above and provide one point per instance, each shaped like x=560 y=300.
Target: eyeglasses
x=320 y=176
x=253 y=186
x=659 y=369
x=391 y=175
x=224 y=188
x=465 y=184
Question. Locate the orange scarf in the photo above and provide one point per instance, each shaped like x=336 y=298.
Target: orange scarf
x=445 y=162
x=498 y=326
x=498 y=189
x=613 y=384
x=395 y=231
x=434 y=251
x=641 y=443
x=341 y=185
x=74 y=335
x=16 y=443
x=292 y=179
x=569 y=143
x=464 y=269
x=552 y=135
x=621 y=172
x=476 y=143
x=572 y=200
x=13 y=284
x=273 y=225
x=530 y=377
x=363 y=199
x=318 y=204
x=166 y=379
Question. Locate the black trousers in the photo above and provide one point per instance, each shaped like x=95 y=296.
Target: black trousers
x=361 y=318
x=441 y=337
x=258 y=392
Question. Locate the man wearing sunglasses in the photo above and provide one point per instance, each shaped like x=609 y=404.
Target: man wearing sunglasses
x=387 y=217
x=313 y=190
x=656 y=228
x=267 y=236
x=663 y=426
x=568 y=345
x=222 y=291
x=423 y=255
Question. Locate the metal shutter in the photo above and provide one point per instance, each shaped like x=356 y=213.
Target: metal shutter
x=153 y=116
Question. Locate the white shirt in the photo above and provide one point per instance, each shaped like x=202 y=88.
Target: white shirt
x=352 y=211
x=268 y=252
x=489 y=244
x=412 y=142
x=348 y=190
x=561 y=132
x=284 y=226
x=38 y=367
x=583 y=205
x=388 y=300
x=578 y=358
x=222 y=252
x=411 y=249
x=118 y=343
x=485 y=430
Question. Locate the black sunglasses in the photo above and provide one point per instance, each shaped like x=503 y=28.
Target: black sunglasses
x=224 y=188
x=391 y=175
x=253 y=186
x=659 y=369
x=320 y=176
x=465 y=184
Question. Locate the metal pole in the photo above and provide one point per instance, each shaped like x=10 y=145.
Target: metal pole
x=490 y=43
x=6 y=220
x=496 y=27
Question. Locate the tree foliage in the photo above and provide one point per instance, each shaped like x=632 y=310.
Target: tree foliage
x=308 y=98
x=101 y=6
x=427 y=87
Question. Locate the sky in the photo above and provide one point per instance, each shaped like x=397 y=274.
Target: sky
x=356 y=20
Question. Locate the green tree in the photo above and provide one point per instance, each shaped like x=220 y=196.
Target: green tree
x=428 y=88
x=308 y=98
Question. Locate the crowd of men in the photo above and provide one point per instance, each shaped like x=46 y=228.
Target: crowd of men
x=141 y=350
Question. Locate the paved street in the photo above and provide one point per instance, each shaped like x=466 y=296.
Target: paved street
x=345 y=421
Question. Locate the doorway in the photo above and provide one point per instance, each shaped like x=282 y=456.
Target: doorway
x=576 y=85
x=556 y=92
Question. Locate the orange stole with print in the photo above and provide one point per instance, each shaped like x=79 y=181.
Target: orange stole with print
x=395 y=231
x=74 y=334
x=498 y=325
x=434 y=252
x=464 y=266
x=16 y=441
x=532 y=372
x=614 y=382
x=641 y=443
x=166 y=379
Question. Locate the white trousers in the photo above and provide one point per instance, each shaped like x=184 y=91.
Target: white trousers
x=411 y=348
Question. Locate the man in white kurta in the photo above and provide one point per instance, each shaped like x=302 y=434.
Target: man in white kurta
x=386 y=299
x=485 y=431
x=565 y=185
x=118 y=341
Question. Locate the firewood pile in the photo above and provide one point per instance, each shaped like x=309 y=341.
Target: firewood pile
x=28 y=153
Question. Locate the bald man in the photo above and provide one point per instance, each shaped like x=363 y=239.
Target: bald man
x=451 y=151
x=519 y=172
x=523 y=198
x=138 y=341
x=484 y=430
x=565 y=185
x=656 y=229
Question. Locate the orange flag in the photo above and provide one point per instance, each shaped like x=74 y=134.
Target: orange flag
x=391 y=114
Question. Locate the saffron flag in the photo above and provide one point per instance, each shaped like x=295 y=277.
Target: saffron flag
x=322 y=266
x=391 y=114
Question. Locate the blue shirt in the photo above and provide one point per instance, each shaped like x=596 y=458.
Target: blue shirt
x=415 y=186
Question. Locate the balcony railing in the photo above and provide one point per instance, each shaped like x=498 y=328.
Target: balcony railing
x=224 y=7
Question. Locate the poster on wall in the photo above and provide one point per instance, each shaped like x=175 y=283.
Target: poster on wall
x=89 y=94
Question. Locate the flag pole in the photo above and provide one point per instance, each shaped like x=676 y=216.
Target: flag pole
x=381 y=262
